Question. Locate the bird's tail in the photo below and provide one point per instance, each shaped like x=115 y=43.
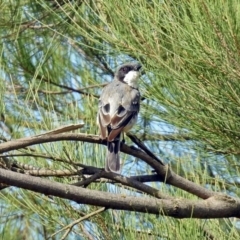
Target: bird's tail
x=113 y=159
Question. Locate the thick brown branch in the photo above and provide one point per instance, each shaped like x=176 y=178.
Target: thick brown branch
x=98 y=173
x=165 y=174
x=214 y=207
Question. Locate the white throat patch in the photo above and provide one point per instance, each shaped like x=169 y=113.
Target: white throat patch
x=131 y=78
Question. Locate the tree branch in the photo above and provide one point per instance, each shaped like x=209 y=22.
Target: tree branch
x=135 y=184
x=69 y=227
x=215 y=207
x=165 y=173
x=96 y=174
x=166 y=137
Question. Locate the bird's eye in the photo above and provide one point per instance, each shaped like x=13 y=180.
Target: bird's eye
x=126 y=69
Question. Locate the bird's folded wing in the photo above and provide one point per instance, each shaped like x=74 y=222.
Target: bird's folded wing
x=128 y=110
x=118 y=122
x=103 y=121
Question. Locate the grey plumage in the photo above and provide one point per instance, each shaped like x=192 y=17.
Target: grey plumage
x=119 y=105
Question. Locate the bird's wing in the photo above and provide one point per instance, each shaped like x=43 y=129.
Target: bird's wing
x=103 y=117
x=126 y=111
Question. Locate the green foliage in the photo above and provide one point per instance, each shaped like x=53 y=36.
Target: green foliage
x=54 y=56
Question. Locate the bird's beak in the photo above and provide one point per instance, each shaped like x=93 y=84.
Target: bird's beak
x=138 y=67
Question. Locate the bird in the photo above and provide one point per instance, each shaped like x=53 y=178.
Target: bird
x=118 y=109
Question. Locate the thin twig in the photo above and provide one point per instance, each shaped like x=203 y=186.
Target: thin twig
x=53 y=92
x=69 y=88
x=63 y=129
x=51 y=173
x=165 y=137
x=141 y=145
x=93 y=86
x=69 y=227
x=89 y=180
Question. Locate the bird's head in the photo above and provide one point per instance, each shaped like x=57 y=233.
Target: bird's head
x=129 y=73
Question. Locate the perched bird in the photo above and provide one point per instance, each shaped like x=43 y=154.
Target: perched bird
x=118 y=109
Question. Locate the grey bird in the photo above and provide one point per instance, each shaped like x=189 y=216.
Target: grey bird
x=118 y=109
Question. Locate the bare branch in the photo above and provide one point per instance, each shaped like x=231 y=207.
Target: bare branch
x=141 y=145
x=164 y=172
x=165 y=137
x=126 y=182
x=100 y=85
x=89 y=180
x=51 y=173
x=215 y=207
x=69 y=227
x=97 y=173
x=69 y=88
x=63 y=129
x=53 y=92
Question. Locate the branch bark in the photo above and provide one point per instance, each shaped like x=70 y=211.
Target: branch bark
x=219 y=206
x=165 y=173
